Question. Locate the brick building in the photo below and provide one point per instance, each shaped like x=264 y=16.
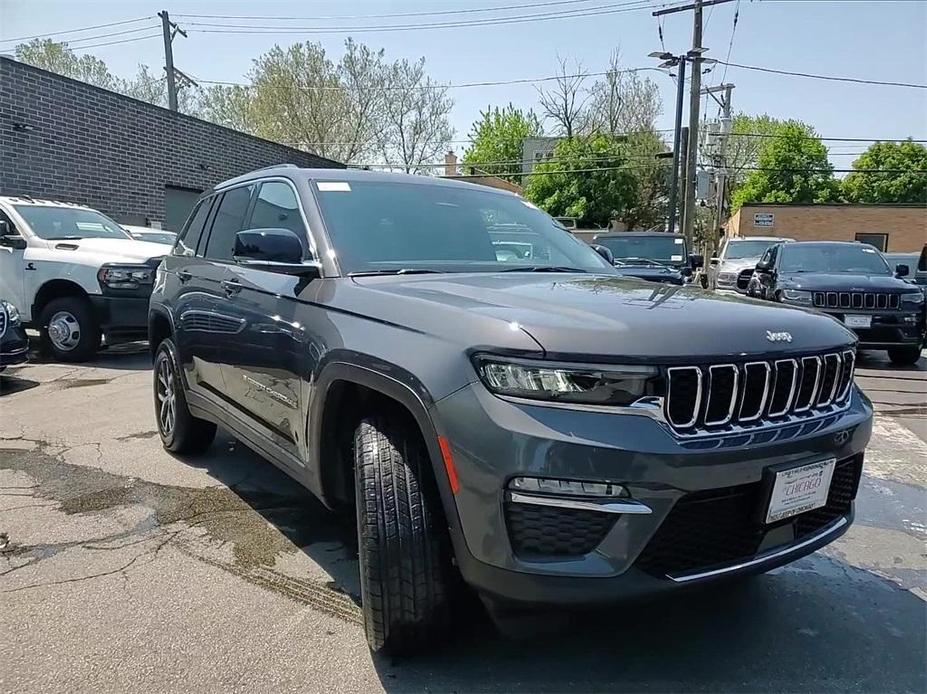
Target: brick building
x=894 y=228
x=138 y=163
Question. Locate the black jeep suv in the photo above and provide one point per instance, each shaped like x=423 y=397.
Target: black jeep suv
x=851 y=282
x=650 y=255
x=518 y=416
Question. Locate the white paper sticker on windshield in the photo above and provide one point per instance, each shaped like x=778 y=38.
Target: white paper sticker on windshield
x=333 y=186
x=869 y=250
x=676 y=258
x=678 y=242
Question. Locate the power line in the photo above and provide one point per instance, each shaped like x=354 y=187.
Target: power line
x=730 y=44
x=75 y=31
x=69 y=42
x=112 y=43
x=833 y=78
x=515 y=19
x=389 y=15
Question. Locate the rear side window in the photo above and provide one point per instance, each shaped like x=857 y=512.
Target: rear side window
x=190 y=235
x=229 y=220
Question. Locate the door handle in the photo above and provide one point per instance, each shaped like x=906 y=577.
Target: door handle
x=183 y=275
x=231 y=286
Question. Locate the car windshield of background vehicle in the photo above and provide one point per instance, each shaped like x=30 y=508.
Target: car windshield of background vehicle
x=737 y=250
x=862 y=259
x=68 y=223
x=666 y=249
x=390 y=227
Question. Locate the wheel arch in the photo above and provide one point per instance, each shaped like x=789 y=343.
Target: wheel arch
x=160 y=326
x=346 y=392
x=54 y=289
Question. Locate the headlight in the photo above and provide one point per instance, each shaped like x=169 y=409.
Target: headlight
x=797 y=296
x=912 y=301
x=727 y=277
x=12 y=313
x=125 y=276
x=590 y=385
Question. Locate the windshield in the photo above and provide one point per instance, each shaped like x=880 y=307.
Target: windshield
x=63 y=223
x=664 y=249
x=737 y=250
x=390 y=227
x=857 y=258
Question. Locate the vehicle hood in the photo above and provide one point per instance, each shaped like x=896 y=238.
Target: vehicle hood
x=604 y=316
x=99 y=251
x=739 y=264
x=841 y=282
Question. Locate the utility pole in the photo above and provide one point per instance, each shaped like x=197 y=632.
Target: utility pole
x=683 y=144
x=169 y=30
x=688 y=222
x=718 y=153
x=677 y=133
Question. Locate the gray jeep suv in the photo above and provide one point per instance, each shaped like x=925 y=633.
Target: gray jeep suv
x=493 y=401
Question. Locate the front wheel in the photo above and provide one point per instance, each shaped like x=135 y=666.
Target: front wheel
x=905 y=356
x=69 y=330
x=401 y=548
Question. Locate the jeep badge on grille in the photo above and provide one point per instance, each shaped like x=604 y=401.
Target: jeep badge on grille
x=778 y=337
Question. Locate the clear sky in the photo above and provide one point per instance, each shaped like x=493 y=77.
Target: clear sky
x=872 y=39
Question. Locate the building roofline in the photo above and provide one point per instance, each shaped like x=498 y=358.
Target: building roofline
x=893 y=205
x=176 y=114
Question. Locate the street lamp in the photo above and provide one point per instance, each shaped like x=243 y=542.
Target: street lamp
x=670 y=61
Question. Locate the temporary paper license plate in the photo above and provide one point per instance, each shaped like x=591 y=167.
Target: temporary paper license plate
x=857 y=321
x=800 y=489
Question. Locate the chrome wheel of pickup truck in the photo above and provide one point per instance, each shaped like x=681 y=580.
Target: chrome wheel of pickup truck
x=64 y=331
x=69 y=329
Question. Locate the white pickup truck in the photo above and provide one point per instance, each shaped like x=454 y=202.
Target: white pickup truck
x=77 y=276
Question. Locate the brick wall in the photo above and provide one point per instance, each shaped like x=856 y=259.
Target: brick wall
x=906 y=225
x=63 y=139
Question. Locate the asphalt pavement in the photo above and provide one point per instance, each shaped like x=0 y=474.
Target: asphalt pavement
x=124 y=568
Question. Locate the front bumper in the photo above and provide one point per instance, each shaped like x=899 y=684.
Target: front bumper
x=14 y=346
x=887 y=329
x=122 y=317
x=493 y=440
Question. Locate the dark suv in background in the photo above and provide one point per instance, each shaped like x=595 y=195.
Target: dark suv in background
x=650 y=255
x=493 y=401
x=851 y=282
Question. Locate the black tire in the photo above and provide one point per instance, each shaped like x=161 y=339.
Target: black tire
x=74 y=314
x=182 y=433
x=401 y=539
x=905 y=356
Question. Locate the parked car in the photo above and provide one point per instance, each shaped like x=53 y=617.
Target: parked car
x=730 y=271
x=152 y=235
x=853 y=283
x=546 y=430
x=75 y=275
x=650 y=255
x=14 y=344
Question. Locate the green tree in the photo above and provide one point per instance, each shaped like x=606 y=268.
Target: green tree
x=904 y=180
x=497 y=136
x=588 y=178
x=792 y=167
x=647 y=208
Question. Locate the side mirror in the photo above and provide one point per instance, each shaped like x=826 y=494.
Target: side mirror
x=273 y=250
x=762 y=267
x=902 y=270
x=696 y=260
x=714 y=260
x=9 y=238
x=606 y=254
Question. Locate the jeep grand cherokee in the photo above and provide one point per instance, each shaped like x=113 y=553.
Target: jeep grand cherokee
x=547 y=430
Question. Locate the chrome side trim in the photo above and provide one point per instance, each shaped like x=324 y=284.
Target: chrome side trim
x=839 y=523
x=762 y=407
x=698 y=395
x=711 y=391
x=791 y=398
x=624 y=506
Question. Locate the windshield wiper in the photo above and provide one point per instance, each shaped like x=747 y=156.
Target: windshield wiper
x=65 y=238
x=634 y=261
x=399 y=271
x=544 y=268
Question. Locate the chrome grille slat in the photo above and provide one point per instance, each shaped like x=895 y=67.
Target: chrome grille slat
x=718 y=398
x=856 y=300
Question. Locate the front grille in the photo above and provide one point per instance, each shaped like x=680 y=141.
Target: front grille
x=851 y=300
x=555 y=532
x=743 y=279
x=2 y=320
x=712 y=398
x=722 y=526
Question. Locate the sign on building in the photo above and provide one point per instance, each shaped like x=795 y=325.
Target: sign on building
x=763 y=219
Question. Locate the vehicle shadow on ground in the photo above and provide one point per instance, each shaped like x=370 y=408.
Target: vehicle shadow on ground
x=10 y=383
x=874 y=359
x=130 y=356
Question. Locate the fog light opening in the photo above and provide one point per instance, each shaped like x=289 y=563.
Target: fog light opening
x=542 y=485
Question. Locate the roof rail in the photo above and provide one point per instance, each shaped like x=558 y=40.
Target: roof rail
x=278 y=166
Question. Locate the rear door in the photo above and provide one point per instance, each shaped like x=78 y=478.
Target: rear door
x=209 y=327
